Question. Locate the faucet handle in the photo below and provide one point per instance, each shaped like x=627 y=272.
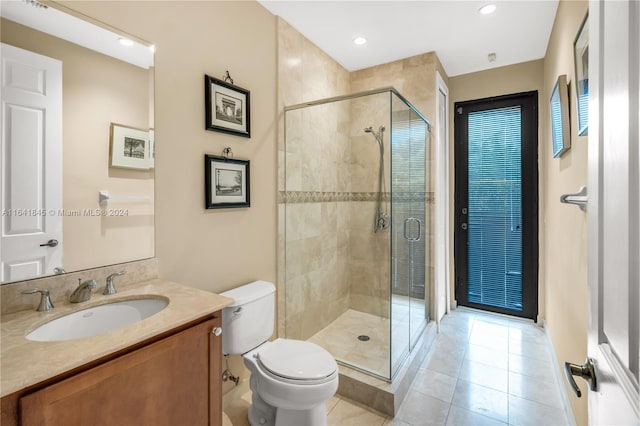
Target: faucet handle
x=45 y=299
x=110 y=288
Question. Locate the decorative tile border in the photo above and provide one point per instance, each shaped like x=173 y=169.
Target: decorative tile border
x=298 y=197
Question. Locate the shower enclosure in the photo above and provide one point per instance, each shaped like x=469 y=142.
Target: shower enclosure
x=357 y=235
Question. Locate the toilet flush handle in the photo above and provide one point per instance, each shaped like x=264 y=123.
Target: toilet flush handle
x=216 y=331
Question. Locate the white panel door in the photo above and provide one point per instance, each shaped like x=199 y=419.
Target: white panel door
x=614 y=212
x=31 y=164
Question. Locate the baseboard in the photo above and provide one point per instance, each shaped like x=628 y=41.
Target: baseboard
x=559 y=375
x=454 y=304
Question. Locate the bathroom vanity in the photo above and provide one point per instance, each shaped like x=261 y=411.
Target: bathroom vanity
x=163 y=370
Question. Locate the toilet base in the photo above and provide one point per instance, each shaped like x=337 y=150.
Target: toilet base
x=316 y=416
x=262 y=414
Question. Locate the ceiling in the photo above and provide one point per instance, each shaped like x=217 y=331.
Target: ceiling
x=517 y=31
x=59 y=24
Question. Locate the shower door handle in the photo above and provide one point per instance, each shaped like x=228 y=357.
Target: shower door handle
x=406 y=222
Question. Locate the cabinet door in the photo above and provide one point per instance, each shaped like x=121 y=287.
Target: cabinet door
x=164 y=383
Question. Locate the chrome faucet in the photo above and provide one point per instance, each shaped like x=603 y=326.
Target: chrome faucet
x=110 y=288
x=83 y=292
x=45 y=299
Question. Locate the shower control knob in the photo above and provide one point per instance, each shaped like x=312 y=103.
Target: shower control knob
x=216 y=331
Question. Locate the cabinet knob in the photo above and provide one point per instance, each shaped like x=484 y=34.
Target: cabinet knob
x=216 y=331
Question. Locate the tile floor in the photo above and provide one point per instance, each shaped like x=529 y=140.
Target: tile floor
x=483 y=369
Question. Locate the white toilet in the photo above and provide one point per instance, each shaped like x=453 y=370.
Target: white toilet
x=291 y=380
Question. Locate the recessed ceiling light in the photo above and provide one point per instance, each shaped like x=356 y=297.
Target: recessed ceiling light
x=359 y=40
x=125 y=41
x=487 y=9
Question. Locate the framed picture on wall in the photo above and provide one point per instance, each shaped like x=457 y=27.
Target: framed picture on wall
x=129 y=147
x=152 y=148
x=560 y=127
x=226 y=182
x=581 y=59
x=227 y=108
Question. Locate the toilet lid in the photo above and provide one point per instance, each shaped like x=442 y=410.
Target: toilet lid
x=297 y=359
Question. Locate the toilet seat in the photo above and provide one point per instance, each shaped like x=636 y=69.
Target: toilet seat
x=297 y=361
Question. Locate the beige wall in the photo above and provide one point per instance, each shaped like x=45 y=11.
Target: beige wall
x=564 y=253
x=213 y=250
x=97 y=90
x=210 y=249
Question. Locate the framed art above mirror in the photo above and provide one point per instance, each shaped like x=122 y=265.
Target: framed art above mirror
x=65 y=81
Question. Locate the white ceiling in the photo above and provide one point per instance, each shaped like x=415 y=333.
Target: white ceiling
x=67 y=27
x=517 y=31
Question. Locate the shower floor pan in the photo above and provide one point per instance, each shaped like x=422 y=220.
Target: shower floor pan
x=344 y=339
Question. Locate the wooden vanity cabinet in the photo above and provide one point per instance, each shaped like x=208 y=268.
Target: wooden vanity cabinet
x=172 y=381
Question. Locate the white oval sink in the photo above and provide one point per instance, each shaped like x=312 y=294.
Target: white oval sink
x=98 y=319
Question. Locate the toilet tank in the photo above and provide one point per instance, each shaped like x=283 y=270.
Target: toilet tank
x=248 y=322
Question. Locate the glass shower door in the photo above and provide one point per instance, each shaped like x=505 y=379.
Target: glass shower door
x=409 y=223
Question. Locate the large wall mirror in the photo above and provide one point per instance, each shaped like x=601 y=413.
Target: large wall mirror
x=78 y=149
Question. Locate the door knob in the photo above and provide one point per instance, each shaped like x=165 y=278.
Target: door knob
x=587 y=371
x=50 y=243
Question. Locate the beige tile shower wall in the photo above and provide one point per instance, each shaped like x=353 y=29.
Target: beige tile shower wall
x=369 y=254
x=415 y=79
x=312 y=243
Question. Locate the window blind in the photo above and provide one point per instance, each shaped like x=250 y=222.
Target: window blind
x=494 y=265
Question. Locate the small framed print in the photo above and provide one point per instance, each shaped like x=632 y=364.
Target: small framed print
x=227 y=108
x=559 y=106
x=152 y=149
x=129 y=147
x=581 y=59
x=226 y=182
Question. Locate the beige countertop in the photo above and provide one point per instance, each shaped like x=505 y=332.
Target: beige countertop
x=25 y=363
